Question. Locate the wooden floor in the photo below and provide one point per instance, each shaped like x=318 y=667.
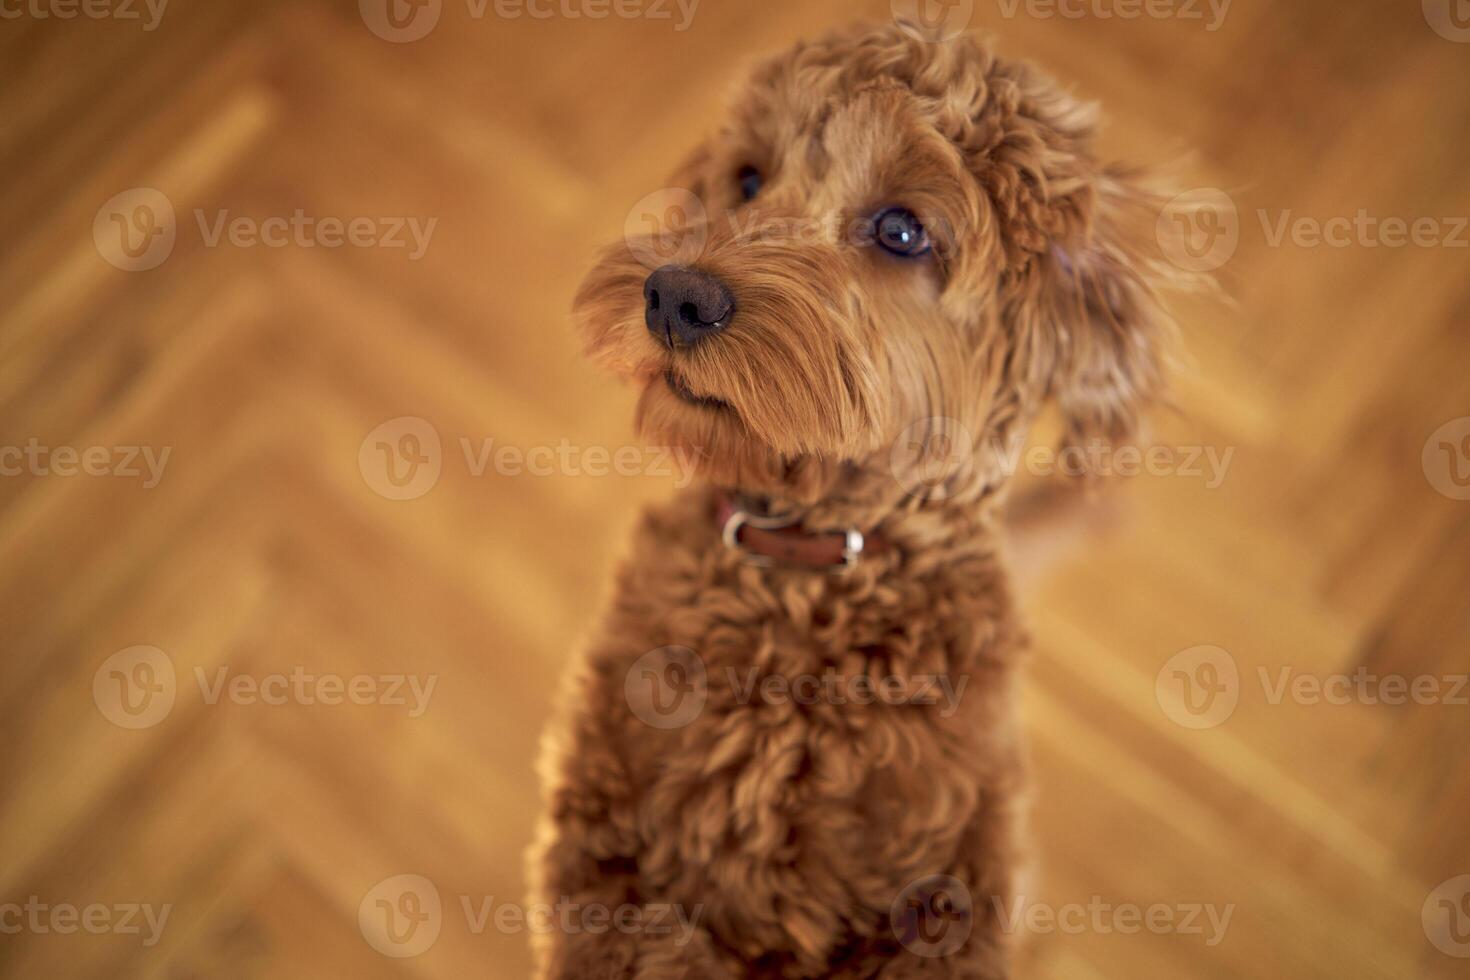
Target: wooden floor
x=263 y=549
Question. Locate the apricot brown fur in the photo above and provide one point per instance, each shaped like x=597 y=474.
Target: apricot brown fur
x=852 y=388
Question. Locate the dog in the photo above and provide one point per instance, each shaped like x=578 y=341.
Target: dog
x=791 y=748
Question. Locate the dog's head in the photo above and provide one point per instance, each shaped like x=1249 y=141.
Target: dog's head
x=890 y=243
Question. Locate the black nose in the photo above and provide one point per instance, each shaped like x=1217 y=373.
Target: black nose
x=685 y=305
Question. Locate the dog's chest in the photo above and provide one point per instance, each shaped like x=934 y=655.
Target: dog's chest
x=803 y=802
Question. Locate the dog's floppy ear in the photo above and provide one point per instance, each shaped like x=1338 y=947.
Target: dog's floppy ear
x=1104 y=333
x=1083 y=265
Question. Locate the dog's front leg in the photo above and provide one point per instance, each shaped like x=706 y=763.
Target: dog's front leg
x=602 y=928
x=601 y=931
x=602 y=920
x=586 y=901
x=585 y=865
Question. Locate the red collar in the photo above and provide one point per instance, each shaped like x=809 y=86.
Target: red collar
x=767 y=540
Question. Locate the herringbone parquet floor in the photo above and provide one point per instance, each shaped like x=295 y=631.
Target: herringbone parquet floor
x=261 y=554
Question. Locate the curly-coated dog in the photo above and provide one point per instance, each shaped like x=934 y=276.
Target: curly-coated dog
x=792 y=749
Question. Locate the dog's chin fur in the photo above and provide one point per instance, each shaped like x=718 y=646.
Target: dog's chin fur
x=794 y=827
x=725 y=452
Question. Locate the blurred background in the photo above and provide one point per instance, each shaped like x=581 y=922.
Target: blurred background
x=281 y=623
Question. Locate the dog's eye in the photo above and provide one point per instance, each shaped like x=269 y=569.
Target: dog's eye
x=899 y=231
x=750 y=182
